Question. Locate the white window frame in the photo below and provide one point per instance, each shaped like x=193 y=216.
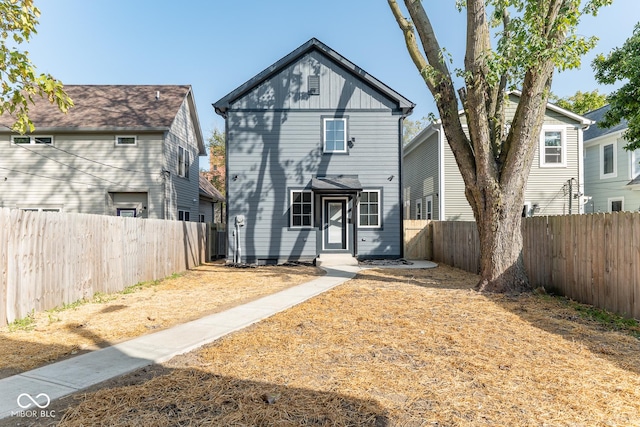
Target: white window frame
x=563 y=148
x=183 y=162
x=428 y=210
x=201 y=218
x=122 y=144
x=186 y=215
x=610 y=201
x=32 y=139
x=614 y=173
x=634 y=159
x=324 y=134
x=40 y=209
x=302 y=203
x=419 y=209
x=360 y=204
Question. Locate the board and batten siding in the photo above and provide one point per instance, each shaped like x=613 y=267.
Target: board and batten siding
x=339 y=89
x=182 y=192
x=420 y=179
x=44 y=176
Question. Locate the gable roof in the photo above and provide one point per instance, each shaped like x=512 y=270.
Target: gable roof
x=208 y=190
x=596 y=131
x=116 y=108
x=222 y=105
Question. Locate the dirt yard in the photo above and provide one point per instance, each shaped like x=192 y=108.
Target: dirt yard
x=388 y=348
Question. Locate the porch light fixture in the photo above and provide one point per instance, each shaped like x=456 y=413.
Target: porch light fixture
x=235 y=177
x=390 y=178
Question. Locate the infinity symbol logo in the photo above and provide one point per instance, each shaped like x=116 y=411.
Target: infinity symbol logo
x=31 y=401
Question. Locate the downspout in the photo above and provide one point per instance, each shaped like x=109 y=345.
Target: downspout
x=441 y=189
x=404 y=115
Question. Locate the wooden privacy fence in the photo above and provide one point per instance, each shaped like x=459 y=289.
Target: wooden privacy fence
x=593 y=258
x=48 y=259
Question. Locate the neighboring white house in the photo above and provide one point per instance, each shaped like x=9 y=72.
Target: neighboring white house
x=434 y=189
x=127 y=150
x=612 y=175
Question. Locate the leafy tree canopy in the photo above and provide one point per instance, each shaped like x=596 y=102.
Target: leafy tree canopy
x=581 y=102
x=623 y=64
x=19 y=82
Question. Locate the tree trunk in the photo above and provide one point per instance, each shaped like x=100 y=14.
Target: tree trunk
x=501 y=261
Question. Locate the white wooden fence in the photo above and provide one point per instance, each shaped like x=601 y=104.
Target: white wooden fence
x=48 y=259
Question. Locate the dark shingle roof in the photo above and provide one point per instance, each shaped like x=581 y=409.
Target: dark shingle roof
x=596 y=131
x=208 y=190
x=97 y=107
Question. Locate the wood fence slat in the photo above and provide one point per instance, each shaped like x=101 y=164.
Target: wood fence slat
x=48 y=259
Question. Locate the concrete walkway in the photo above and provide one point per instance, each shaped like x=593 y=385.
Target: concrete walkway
x=30 y=392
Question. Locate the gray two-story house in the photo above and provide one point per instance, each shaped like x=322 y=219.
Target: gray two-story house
x=313 y=161
x=612 y=174
x=434 y=189
x=126 y=150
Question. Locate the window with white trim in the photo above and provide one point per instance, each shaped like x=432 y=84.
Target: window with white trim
x=334 y=137
x=616 y=204
x=608 y=161
x=184 y=215
x=553 y=147
x=429 y=207
x=301 y=211
x=183 y=162
x=39 y=209
x=419 y=209
x=126 y=140
x=634 y=168
x=32 y=139
x=369 y=209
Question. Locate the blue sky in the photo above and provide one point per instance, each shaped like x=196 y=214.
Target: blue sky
x=216 y=45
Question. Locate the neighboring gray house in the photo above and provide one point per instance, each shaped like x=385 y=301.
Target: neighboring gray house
x=612 y=174
x=211 y=202
x=128 y=150
x=434 y=189
x=313 y=160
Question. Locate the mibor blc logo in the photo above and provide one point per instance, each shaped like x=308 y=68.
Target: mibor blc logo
x=33 y=406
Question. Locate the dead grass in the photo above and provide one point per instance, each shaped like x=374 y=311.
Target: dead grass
x=389 y=348
x=141 y=309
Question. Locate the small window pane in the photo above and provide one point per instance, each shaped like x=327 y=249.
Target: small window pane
x=297 y=209
x=306 y=220
x=607 y=160
x=22 y=140
x=306 y=197
x=297 y=221
x=616 y=206
x=126 y=140
x=43 y=140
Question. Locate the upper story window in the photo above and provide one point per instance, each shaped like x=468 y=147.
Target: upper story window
x=369 y=209
x=183 y=162
x=634 y=168
x=126 y=140
x=335 y=135
x=419 y=209
x=26 y=139
x=608 y=161
x=301 y=209
x=553 y=147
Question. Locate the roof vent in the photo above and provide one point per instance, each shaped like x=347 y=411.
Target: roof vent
x=314 y=85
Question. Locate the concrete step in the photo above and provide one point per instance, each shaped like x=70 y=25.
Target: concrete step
x=328 y=260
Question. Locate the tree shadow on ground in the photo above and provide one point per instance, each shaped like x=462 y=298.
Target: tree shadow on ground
x=550 y=314
x=162 y=396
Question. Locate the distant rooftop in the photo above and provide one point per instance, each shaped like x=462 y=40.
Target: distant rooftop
x=596 y=131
